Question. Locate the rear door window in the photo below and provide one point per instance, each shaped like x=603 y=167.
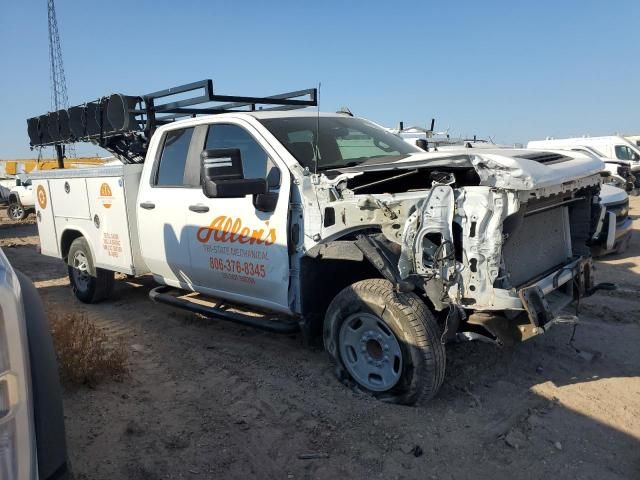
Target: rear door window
x=173 y=158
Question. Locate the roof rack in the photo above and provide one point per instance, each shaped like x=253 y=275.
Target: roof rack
x=123 y=124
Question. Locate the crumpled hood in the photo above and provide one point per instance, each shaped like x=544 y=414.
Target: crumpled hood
x=512 y=168
x=515 y=169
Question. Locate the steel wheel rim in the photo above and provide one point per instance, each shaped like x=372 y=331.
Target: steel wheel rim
x=370 y=351
x=81 y=274
x=15 y=211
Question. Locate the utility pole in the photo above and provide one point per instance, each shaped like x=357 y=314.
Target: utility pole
x=59 y=99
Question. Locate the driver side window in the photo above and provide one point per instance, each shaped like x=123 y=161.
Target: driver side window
x=625 y=153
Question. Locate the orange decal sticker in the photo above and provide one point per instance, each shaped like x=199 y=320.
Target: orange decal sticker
x=231 y=230
x=105 y=195
x=42 y=197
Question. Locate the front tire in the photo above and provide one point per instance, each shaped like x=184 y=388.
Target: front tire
x=16 y=212
x=388 y=342
x=89 y=284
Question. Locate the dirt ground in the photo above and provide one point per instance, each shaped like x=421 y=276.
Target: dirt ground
x=208 y=399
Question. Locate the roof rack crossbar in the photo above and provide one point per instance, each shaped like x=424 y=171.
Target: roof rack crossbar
x=281 y=99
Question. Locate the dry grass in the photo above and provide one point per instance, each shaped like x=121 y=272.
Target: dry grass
x=86 y=356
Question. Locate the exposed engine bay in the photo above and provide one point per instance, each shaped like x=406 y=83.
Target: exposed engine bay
x=470 y=231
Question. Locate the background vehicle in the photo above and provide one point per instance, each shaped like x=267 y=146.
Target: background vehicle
x=21 y=200
x=616 y=173
x=430 y=140
x=635 y=139
x=32 y=436
x=617 y=225
x=610 y=147
x=327 y=223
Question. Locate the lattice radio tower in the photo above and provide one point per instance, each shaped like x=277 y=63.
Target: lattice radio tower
x=59 y=99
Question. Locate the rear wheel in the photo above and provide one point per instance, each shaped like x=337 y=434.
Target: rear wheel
x=89 y=284
x=388 y=342
x=15 y=211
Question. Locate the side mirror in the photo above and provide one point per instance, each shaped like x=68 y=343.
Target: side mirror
x=222 y=176
x=267 y=202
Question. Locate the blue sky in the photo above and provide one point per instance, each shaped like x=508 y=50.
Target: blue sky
x=510 y=70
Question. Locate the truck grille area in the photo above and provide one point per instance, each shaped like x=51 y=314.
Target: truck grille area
x=541 y=243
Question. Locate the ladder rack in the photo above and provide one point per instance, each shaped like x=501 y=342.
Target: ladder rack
x=123 y=124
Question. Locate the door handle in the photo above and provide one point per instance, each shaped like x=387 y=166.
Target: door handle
x=148 y=205
x=199 y=208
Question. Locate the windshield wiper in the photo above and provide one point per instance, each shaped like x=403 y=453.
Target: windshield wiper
x=366 y=161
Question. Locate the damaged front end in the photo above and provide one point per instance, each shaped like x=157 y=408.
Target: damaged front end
x=500 y=239
x=510 y=255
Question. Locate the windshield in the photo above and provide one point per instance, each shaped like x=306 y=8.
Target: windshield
x=343 y=142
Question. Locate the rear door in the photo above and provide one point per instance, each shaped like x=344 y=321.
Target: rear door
x=237 y=251
x=162 y=210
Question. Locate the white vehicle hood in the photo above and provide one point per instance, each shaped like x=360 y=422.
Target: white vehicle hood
x=610 y=194
x=512 y=170
x=504 y=168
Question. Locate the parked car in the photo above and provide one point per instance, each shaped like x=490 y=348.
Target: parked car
x=32 y=435
x=330 y=224
x=612 y=147
x=21 y=200
x=617 y=173
x=616 y=231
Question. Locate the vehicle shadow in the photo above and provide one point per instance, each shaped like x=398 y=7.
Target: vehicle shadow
x=9 y=229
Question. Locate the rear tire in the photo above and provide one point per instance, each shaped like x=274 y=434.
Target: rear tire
x=16 y=212
x=89 y=284
x=387 y=342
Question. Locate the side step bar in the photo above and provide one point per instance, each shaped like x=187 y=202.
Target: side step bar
x=270 y=324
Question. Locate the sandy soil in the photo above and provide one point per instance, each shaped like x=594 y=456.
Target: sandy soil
x=207 y=399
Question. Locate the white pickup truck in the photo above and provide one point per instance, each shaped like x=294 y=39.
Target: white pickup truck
x=21 y=201
x=330 y=224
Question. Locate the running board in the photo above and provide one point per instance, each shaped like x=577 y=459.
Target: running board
x=270 y=324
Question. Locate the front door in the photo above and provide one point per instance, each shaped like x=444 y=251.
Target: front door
x=237 y=251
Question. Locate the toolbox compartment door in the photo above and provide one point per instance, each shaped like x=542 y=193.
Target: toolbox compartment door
x=45 y=220
x=71 y=197
x=112 y=249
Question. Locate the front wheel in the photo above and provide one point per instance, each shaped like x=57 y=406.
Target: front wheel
x=388 y=342
x=16 y=212
x=89 y=284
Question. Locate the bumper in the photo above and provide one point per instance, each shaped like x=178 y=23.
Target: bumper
x=539 y=303
x=544 y=299
x=614 y=232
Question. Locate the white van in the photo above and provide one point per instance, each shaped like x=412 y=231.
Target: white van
x=613 y=146
x=635 y=139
